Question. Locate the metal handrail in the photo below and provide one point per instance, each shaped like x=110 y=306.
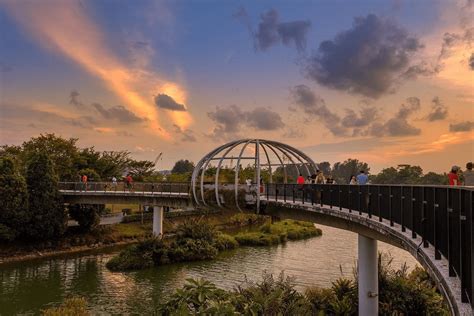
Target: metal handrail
x=441 y=215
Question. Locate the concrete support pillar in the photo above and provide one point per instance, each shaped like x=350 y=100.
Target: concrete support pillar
x=157 y=221
x=368 y=277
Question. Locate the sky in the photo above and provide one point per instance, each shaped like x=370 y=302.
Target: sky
x=386 y=82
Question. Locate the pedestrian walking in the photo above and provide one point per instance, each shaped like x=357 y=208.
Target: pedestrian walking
x=84 y=182
x=469 y=175
x=362 y=178
x=453 y=176
x=353 y=180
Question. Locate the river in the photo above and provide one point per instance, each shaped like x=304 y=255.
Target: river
x=27 y=287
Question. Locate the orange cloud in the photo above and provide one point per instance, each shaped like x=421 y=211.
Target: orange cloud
x=65 y=27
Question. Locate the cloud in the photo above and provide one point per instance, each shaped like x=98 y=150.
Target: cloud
x=164 y=101
x=368 y=59
x=118 y=113
x=271 y=31
x=438 y=111
x=231 y=119
x=465 y=126
x=365 y=117
x=451 y=40
x=186 y=135
x=66 y=28
x=264 y=119
x=398 y=126
x=315 y=106
x=45 y=116
x=74 y=98
x=471 y=62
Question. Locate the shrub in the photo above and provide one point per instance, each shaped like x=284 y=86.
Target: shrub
x=257 y=239
x=134 y=257
x=86 y=215
x=242 y=219
x=71 y=307
x=225 y=242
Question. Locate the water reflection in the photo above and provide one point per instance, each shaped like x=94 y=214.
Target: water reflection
x=30 y=286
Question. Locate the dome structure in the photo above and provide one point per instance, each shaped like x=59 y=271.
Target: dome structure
x=264 y=160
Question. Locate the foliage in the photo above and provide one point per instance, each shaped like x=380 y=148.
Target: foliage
x=273 y=234
x=325 y=167
x=62 y=152
x=86 y=215
x=135 y=257
x=243 y=219
x=141 y=169
x=14 y=196
x=91 y=174
x=342 y=171
x=198 y=297
x=225 y=242
x=257 y=239
x=71 y=307
x=400 y=294
x=406 y=174
x=48 y=217
x=183 y=166
x=107 y=164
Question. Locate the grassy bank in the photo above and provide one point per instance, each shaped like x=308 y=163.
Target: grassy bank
x=201 y=241
x=400 y=293
x=273 y=234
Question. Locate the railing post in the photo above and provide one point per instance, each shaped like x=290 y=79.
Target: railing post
x=312 y=193
x=436 y=232
x=350 y=200
x=390 y=197
x=339 y=196
x=466 y=246
x=330 y=196
x=413 y=214
x=402 y=208
x=424 y=219
x=359 y=197
x=379 y=195
x=293 y=193
x=284 y=192
x=303 y=191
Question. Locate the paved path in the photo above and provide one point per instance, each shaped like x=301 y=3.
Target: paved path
x=104 y=220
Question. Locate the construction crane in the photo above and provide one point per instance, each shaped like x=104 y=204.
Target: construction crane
x=158 y=158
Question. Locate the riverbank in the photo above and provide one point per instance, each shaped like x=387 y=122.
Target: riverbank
x=200 y=240
x=122 y=234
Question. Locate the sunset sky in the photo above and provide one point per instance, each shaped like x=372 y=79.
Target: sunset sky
x=387 y=82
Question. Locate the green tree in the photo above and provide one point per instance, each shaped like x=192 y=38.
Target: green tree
x=91 y=174
x=107 y=163
x=14 y=196
x=325 y=167
x=183 y=166
x=342 y=171
x=48 y=217
x=86 y=215
x=141 y=169
x=62 y=152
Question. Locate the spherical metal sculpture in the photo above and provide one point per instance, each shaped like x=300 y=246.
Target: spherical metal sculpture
x=262 y=155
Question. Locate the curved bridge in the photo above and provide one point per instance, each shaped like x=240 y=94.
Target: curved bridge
x=434 y=223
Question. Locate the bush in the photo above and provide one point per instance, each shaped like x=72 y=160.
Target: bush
x=86 y=215
x=243 y=219
x=257 y=239
x=71 y=307
x=7 y=233
x=135 y=257
x=225 y=242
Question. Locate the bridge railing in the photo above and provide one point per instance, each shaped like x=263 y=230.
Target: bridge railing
x=441 y=215
x=159 y=188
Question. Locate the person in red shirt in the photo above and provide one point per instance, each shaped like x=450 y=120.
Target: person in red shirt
x=300 y=179
x=453 y=176
x=84 y=182
x=129 y=181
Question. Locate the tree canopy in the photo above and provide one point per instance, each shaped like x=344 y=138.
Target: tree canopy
x=183 y=166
